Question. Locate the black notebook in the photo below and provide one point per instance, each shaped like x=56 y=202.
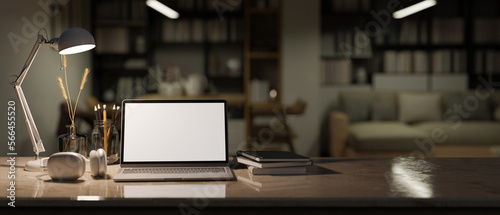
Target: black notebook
x=272 y=156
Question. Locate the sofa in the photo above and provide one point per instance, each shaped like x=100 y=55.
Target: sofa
x=417 y=124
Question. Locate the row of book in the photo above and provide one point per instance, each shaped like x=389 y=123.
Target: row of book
x=112 y=40
x=412 y=32
x=193 y=30
x=486 y=31
x=274 y=162
x=421 y=62
x=345 y=44
x=447 y=31
x=487 y=62
x=336 y=71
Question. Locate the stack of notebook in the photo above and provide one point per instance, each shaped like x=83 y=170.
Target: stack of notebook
x=274 y=162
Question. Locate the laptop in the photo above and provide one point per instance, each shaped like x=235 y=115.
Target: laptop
x=174 y=140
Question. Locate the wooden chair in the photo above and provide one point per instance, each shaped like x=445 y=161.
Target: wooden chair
x=276 y=129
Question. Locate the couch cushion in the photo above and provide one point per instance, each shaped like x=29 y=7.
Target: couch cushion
x=384 y=136
x=466 y=133
x=358 y=109
x=469 y=106
x=362 y=105
x=417 y=107
x=383 y=111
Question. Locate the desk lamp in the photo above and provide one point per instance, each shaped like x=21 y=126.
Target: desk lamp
x=71 y=41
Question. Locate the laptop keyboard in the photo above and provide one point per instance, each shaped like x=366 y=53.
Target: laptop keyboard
x=171 y=170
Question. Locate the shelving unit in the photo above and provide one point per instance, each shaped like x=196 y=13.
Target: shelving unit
x=200 y=41
x=485 y=37
x=262 y=51
x=262 y=57
x=344 y=49
x=203 y=37
x=452 y=38
x=121 y=32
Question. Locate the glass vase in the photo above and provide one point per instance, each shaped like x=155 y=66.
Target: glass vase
x=72 y=141
x=106 y=136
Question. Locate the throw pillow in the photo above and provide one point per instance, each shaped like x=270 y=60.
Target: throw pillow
x=383 y=111
x=358 y=109
x=481 y=111
x=417 y=107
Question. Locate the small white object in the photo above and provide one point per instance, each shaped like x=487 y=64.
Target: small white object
x=66 y=166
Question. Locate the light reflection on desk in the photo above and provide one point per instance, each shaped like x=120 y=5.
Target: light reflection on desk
x=175 y=191
x=260 y=184
x=411 y=177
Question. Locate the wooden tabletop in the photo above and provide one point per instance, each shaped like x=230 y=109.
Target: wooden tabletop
x=329 y=183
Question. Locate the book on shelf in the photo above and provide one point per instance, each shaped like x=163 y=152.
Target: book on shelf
x=443 y=61
x=485 y=30
x=301 y=170
x=448 y=31
x=254 y=163
x=273 y=156
x=420 y=62
x=112 y=40
x=347 y=44
x=390 y=60
x=492 y=61
x=259 y=90
x=184 y=31
x=336 y=71
x=449 y=61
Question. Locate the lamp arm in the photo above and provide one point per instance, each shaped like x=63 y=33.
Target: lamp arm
x=30 y=123
x=39 y=42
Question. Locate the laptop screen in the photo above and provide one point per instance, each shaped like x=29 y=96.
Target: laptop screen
x=174 y=131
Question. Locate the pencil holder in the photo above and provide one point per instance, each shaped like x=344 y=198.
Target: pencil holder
x=106 y=136
x=72 y=141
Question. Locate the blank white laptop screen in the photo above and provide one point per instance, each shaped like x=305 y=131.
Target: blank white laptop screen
x=174 y=132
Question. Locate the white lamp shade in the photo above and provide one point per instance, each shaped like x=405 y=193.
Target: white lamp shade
x=75 y=40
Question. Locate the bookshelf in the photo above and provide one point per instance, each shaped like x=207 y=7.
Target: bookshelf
x=121 y=56
x=455 y=37
x=262 y=56
x=485 y=41
x=145 y=44
x=345 y=50
x=212 y=42
x=262 y=51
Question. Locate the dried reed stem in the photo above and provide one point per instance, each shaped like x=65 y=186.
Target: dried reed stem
x=84 y=80
x=65 y=96
x=67 y=87
x=65 y=90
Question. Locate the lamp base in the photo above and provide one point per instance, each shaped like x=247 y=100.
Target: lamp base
x=35 y=165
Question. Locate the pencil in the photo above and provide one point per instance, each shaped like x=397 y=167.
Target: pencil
x=99 y=112
x=96 y=114
x=104 y=130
